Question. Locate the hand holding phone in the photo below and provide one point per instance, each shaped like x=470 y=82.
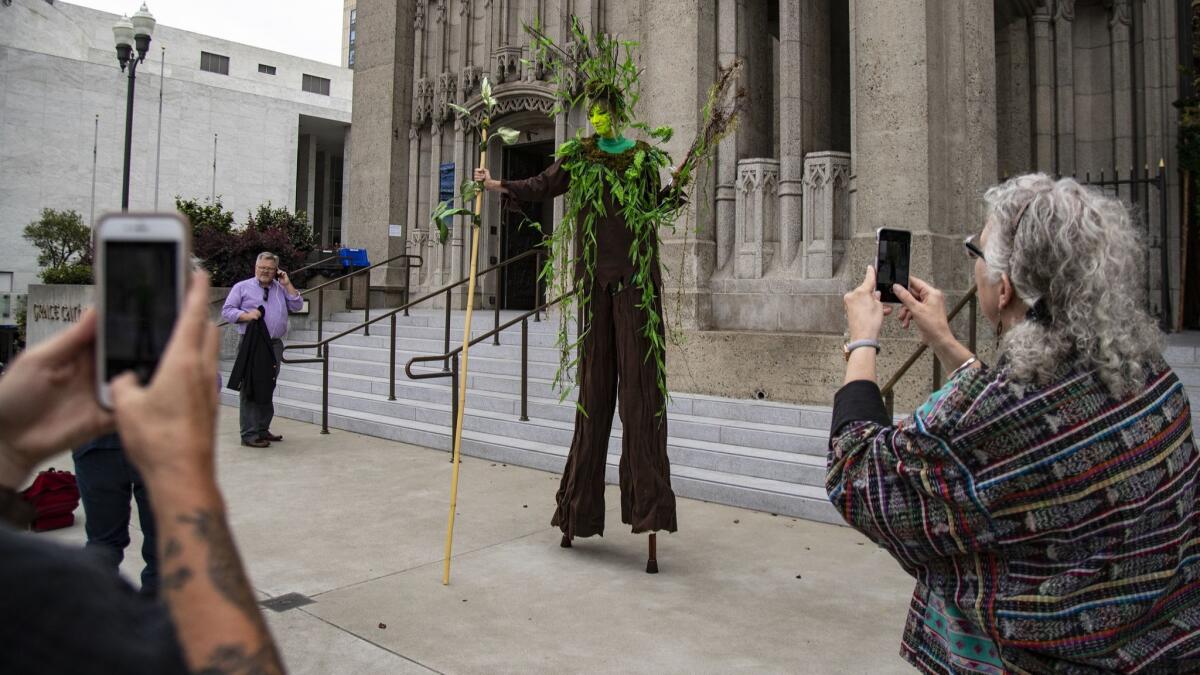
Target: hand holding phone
x=141 y=268
x=893 y=248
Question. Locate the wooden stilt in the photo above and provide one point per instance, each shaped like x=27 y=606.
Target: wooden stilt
x=652 y=561
x=566 y=542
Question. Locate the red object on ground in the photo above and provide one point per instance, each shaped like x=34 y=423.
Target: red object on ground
x=54 y=497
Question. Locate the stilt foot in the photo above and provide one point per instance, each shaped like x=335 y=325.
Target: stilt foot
x=566 y=542
x=652 y=560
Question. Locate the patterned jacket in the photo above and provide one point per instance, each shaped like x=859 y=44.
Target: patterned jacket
x=1055 y=526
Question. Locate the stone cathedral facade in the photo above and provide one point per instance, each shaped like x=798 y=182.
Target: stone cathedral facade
x=864 y=113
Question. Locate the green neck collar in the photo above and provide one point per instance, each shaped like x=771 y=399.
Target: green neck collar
x=614 y=146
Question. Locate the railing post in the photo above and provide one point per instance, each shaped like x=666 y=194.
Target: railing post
x=496 y=322
x=1164 y=262
x=325 y=391
x=537 y=290
x=367 y=305
x=407 y=283
x=392 y=358
x=524 y=370
x=320 y=317
x=454 y=385
x=446 y=343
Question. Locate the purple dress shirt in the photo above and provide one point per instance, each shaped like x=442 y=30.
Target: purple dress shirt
x=247 y=295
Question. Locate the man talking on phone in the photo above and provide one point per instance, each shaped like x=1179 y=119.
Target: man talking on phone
x=267 y=297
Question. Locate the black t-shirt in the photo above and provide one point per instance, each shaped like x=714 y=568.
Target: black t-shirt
x=61 y=611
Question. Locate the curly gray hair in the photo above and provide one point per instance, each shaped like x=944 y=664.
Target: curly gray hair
x=1075 y=250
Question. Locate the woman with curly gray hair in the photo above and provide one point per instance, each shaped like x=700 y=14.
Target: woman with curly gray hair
x=1046 y=505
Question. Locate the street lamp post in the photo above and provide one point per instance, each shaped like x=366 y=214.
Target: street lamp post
x=130 y=35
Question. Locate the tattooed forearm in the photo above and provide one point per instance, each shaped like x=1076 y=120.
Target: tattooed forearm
x=175 y=579
x=224 y=567
x=174 y=576
x=233 y=660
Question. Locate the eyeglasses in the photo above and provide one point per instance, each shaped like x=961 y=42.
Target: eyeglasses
x=266 y=269
x=973 y=250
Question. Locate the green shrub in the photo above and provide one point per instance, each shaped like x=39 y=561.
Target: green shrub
x=68 y=274
x=63 y=242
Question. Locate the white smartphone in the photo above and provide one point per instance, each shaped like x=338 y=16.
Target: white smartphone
x=141 y=265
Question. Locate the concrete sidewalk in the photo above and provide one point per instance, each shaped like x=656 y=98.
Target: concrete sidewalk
x=357 y=524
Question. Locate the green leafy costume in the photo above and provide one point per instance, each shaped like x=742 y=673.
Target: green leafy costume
x=613 y=212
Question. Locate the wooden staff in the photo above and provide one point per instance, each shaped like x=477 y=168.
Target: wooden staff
x=466 y=346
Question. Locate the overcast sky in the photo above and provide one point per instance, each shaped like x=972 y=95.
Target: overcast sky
x=308 y=28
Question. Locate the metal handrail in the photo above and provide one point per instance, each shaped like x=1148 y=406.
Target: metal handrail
x=971 y=300
x=322 y=345
x=320 y=289
x=495 y=332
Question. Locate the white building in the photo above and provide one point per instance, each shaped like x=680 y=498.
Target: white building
x=280 y=124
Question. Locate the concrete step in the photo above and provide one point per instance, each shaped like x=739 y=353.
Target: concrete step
x=553 y=422
x=501 y=393
x=710 y=484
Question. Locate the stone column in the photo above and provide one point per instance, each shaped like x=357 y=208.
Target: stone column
x=1064 y=87
x=757 y=196
x=924 y=137
x=1119 y=23
x=727 y=19
x=826 y=211
x=306 y=176
x=381 y=117
x=1014 y=100
x=804 y=114
x=1042 y=54
x=346 y=186
x=679 y=41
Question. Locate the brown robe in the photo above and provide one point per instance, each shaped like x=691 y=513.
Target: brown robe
x=613 y=360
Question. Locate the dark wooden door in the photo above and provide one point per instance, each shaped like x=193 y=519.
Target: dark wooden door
x=518 y=282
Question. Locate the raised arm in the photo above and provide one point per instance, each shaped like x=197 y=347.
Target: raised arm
x=168 y=429
x=550 y=183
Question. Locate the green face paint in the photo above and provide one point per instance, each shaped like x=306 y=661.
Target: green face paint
x=601 y=121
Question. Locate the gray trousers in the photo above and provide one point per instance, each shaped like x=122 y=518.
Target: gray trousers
x=256 y=417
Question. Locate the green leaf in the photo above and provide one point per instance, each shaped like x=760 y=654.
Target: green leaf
x=663 y=133
x=443 y=231
x=459 y=212
x=485 y=93
x=469 y=189
x=509 y=136
x=462 y=112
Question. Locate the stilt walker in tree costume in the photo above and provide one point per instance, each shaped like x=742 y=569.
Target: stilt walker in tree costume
x=607 y=246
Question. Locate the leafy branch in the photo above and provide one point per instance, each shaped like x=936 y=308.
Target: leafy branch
x=469 y=189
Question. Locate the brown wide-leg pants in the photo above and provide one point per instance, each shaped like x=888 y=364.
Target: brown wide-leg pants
x=614 y=359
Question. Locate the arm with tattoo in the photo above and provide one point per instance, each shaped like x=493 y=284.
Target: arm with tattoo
x=168 y=429
x=206 y=589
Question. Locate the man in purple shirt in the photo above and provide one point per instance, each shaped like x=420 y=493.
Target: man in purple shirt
x=268 y=295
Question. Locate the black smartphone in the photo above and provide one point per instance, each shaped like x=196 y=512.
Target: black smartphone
x=892 y=248
x=141 y=272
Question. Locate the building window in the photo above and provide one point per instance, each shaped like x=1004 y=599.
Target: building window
x=350 y=59
x=265 y=69
x=352 y=35
x=214 y=63
x=316 y=85
x=353 y=15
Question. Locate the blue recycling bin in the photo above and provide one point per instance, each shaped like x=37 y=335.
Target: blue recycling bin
x=353 y=258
